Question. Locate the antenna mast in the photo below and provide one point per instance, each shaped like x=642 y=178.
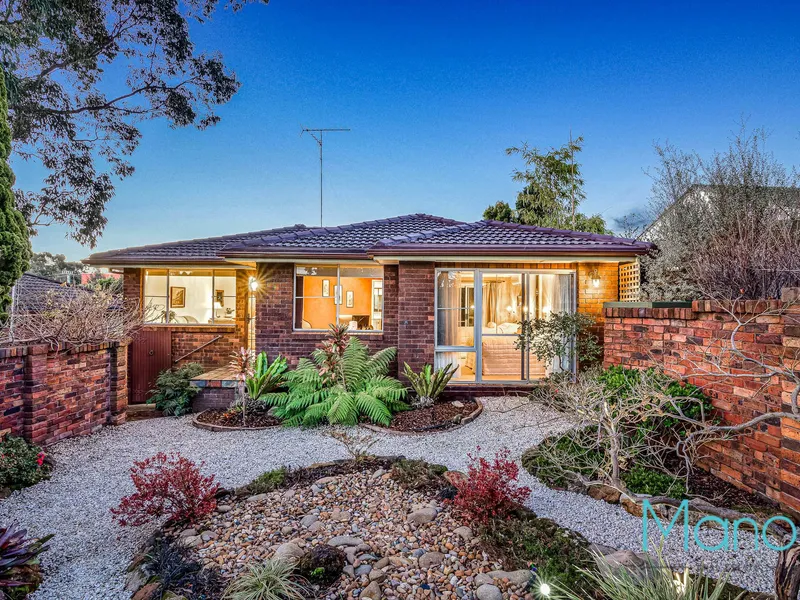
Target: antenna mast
x=317 y=134
x=572 y=170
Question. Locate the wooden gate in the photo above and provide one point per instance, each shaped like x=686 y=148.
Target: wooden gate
x=150 y=353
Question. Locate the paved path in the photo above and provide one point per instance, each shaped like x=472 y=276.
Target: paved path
x=89 y=551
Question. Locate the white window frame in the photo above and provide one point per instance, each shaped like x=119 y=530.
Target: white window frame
x=477 y=336
x=213 y=287
x=338 y=296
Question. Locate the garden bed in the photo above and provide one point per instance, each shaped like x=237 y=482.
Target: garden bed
x=227 y=420
x=442 y=416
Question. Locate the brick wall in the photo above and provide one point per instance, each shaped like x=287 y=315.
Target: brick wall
x=274 y=310
x=47 y=395
x=415 y=314
x=766 y=461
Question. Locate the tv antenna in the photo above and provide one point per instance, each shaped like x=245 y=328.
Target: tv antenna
x=317 y=133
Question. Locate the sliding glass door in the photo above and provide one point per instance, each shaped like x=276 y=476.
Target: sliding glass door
x=478 y=315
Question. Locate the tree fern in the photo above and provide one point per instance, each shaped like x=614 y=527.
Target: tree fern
x=358 y=388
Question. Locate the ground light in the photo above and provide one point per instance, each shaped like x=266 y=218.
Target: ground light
x=544 y=590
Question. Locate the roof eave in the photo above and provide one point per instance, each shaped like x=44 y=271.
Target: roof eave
x=499 y=250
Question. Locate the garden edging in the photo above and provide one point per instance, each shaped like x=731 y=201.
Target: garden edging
x=222 y=428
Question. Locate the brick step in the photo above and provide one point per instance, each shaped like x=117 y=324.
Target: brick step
x=139 y=412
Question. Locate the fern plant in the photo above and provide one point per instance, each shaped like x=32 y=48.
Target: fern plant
x=428 y=384
x=357 y=388
x=174 y=391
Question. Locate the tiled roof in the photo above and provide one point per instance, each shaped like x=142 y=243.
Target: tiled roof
x=31 y=291
x=501 y=238
x=199 y=250
x=356 y=238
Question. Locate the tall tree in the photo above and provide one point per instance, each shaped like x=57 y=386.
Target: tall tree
x=552 y=192
x=15 y=247
x=54 y=266
x=83 y=75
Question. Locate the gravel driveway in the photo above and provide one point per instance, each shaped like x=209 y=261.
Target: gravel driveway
x=89 y=552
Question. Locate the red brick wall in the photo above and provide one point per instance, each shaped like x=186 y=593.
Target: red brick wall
x=185 y=338
x=415 y=314
x=766 y=461
x=274 y=332
x=48 y=395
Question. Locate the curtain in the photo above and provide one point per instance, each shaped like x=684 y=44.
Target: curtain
x=489 y=302
x=556 y=294
x=447 y=313
x=444 y=359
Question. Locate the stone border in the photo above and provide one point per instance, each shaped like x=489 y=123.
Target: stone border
x=430 y=430
x=222 y=428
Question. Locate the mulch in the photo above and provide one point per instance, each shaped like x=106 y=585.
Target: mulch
x=722 y=493
x=440 y=416
x=228 y=418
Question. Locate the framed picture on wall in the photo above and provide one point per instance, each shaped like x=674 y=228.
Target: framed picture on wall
x=349 y=299
x=177 y=297
x=326 y=288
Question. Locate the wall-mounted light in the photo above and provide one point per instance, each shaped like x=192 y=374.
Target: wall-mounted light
x=253 y=284
x=594 y=275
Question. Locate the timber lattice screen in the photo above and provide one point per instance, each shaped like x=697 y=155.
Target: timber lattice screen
x=629 y=279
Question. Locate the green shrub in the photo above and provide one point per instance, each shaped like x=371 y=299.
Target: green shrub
x=173 y=392
x=428 y=384
x=418 y=474
x=21 y=464
x=270 y=580
x=266 y=377
x=342 y=390
x=558 y=554
x=642 y=480
x=267 y=482
x=545 y=461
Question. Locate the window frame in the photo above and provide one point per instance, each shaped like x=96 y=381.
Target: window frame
x=477 y=337
x=213 y=270
x=338 y=295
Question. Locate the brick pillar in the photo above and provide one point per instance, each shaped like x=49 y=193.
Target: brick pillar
x=117 y=384
x=35 y=393
x=415 y=332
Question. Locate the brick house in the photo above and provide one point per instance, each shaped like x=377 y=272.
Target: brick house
x=440 y=291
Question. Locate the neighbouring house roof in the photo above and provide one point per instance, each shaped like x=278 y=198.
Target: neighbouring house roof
x=409 y=235
x=32 y=291
x=499 y=238
x=201 y=250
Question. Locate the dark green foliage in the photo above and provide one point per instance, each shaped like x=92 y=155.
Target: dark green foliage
x=641 y=480
x=322 y=565
x=15 y=247
x=174 y=392
x=174 y=569
x=552 y=181
x=341 y=392
x=546 y=460
x=428 y=384
x=551 y=338
x=19 y=559
x=267 y=482
x=418 y=474
x=21 y=464
x=266 y=377
x=690 y=399
x=558 y=554
x=84 y=75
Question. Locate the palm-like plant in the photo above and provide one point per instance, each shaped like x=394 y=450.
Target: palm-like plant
x=429 y=384
x=357 y=387
x=266 y=377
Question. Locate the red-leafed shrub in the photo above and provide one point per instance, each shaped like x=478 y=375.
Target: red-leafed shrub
x=490 y=489
x=167 y=484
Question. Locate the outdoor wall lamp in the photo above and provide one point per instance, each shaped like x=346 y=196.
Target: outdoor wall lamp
x=253 y=284
x=594 y=275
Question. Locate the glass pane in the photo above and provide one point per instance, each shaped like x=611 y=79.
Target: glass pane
x=362 y=298
x=314 y=313
x=455 y=313
x=319 y=282
x=502 y=303
x=155 y=296
x=464 y=361
x=500 y=359
x=190 y=296
x=224 y=297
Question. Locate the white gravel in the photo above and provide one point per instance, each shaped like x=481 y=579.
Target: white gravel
x=89 y=551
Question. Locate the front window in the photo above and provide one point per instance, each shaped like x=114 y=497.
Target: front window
x=190 y=296
x=349 y=295
x=478 y=315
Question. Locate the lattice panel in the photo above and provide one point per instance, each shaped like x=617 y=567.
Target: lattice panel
x=629 y=279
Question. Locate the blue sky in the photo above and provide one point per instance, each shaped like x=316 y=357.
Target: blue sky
x=434 y=92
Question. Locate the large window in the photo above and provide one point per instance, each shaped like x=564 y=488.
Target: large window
x=351 y=295
x=190 y=296
x=478 y=315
